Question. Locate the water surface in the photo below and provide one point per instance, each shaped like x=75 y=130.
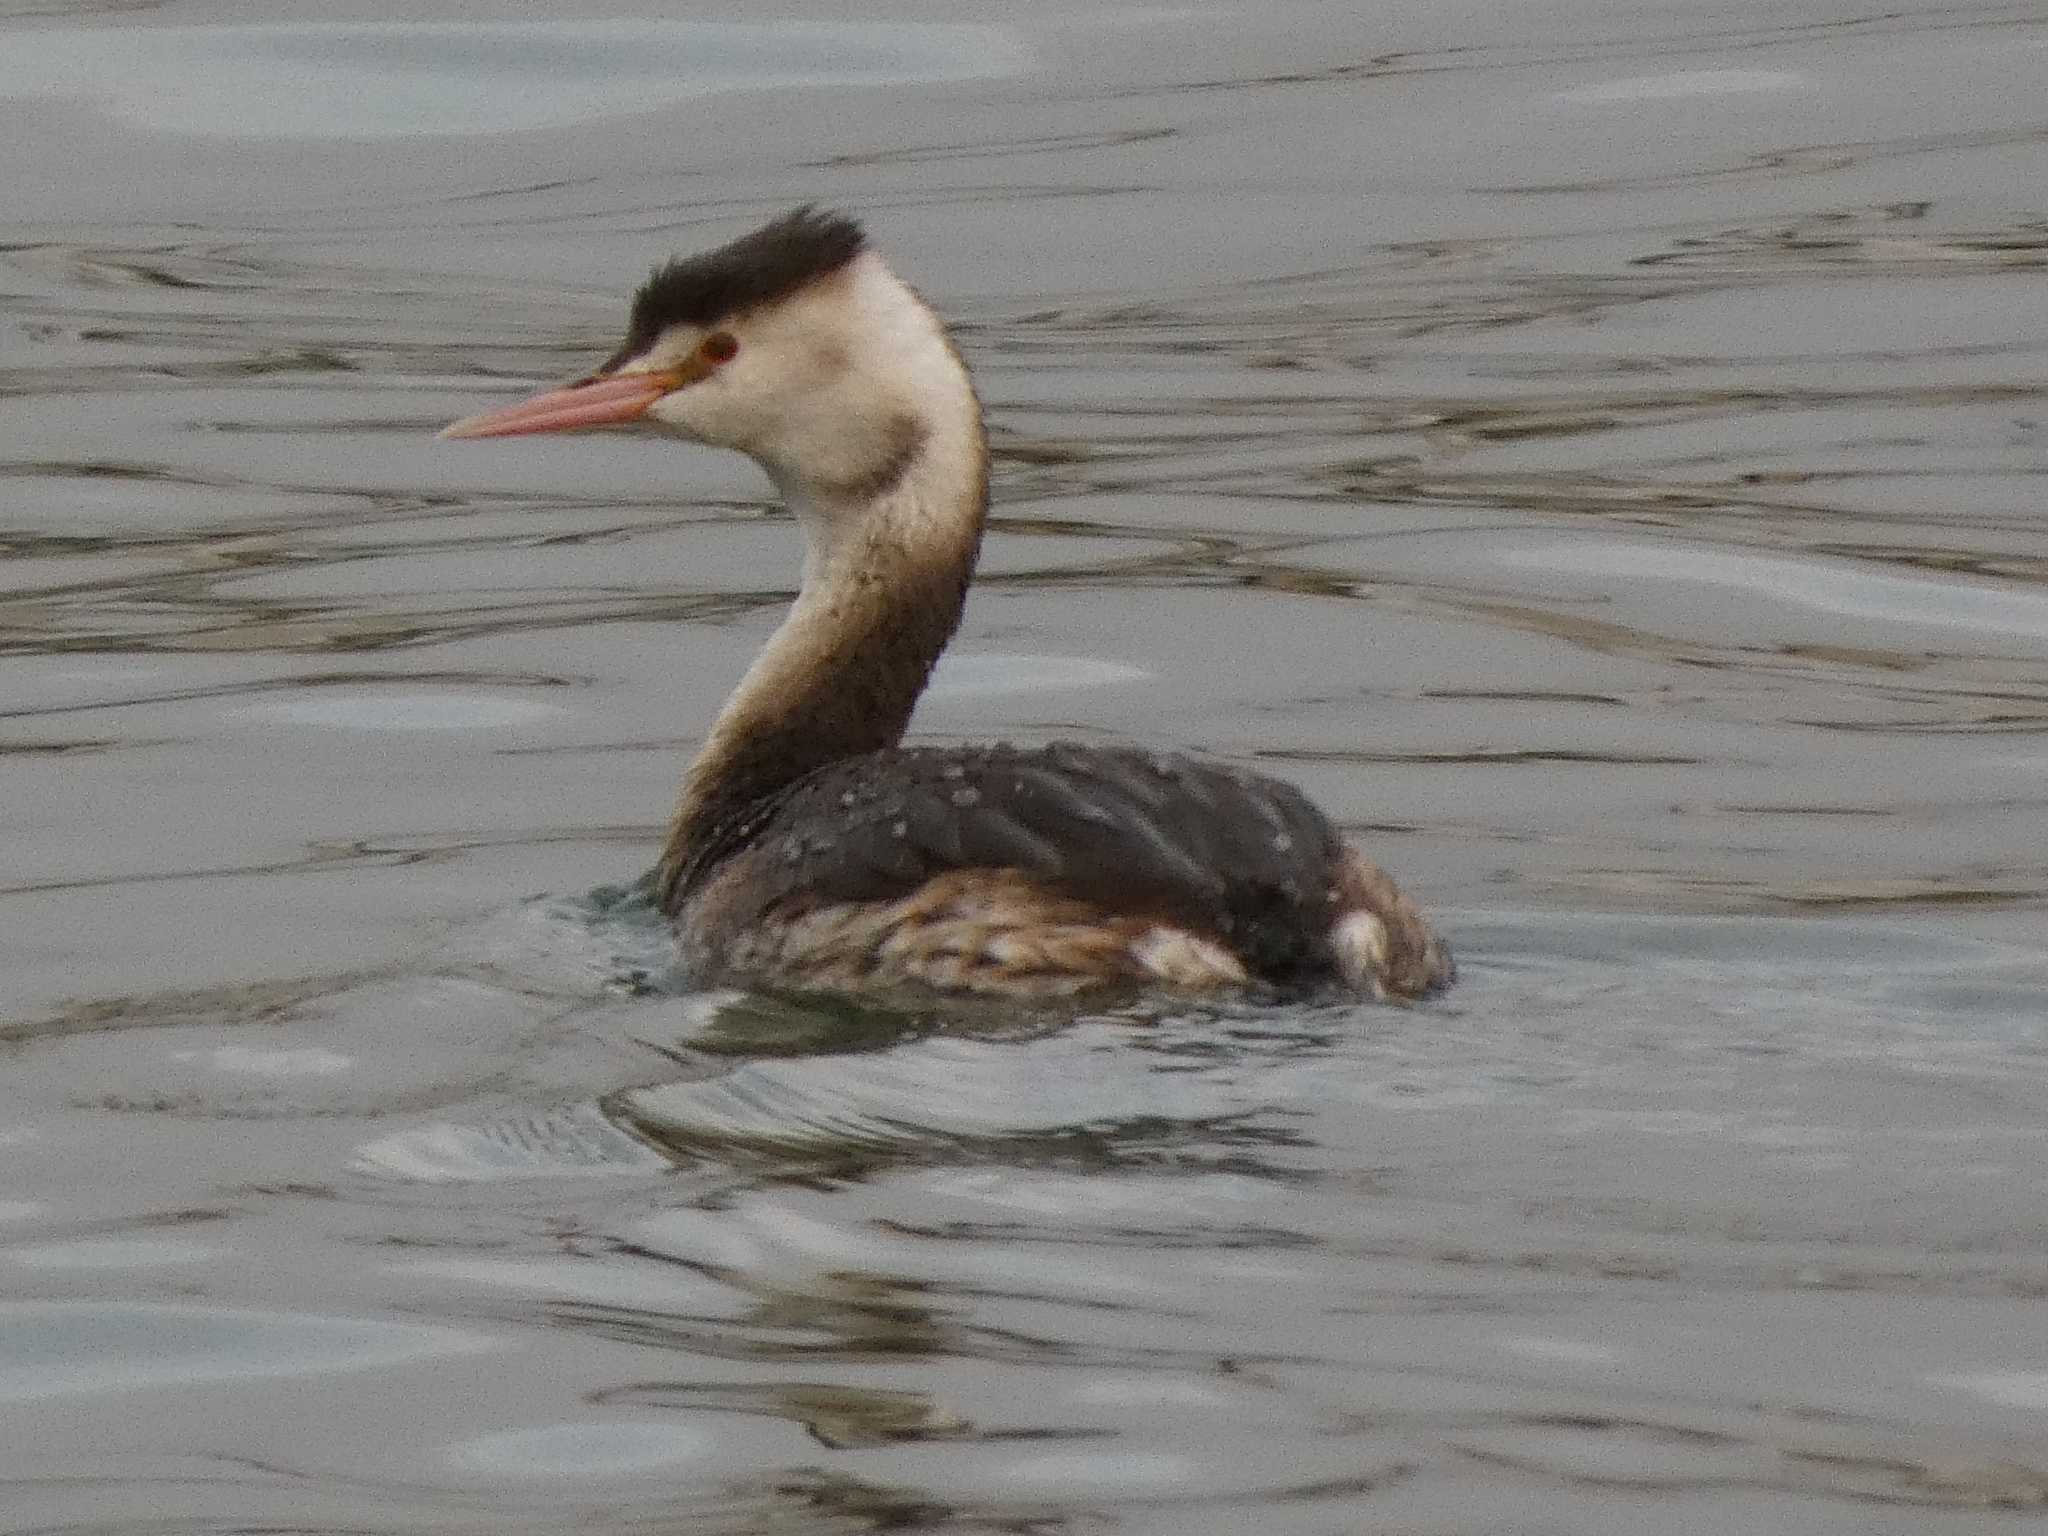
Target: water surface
x=1596 y=451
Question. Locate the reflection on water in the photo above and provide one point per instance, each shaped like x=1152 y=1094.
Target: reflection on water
x=403 y=79
x=1596 y=453
x=1859 y=594
x=57 y=1349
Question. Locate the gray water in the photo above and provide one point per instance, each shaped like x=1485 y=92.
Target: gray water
x=1596 y=449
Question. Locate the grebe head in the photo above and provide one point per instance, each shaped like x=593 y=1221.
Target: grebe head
x=794 y=344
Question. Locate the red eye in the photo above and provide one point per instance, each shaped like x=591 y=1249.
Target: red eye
x=718 y=347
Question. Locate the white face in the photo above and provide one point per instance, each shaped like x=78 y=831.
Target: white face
x=818 y=387
x=847 y=392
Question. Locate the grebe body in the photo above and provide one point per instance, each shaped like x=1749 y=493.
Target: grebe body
x=1044 y=870
x=808 y=847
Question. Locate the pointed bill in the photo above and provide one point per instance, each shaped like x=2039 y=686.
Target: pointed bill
x=609 y=401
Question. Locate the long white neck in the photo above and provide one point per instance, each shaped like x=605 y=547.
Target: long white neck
x=892 y=516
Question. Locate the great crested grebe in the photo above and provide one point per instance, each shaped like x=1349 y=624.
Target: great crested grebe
x=807 y=846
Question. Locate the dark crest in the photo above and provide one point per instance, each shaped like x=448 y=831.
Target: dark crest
x=770 y=264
